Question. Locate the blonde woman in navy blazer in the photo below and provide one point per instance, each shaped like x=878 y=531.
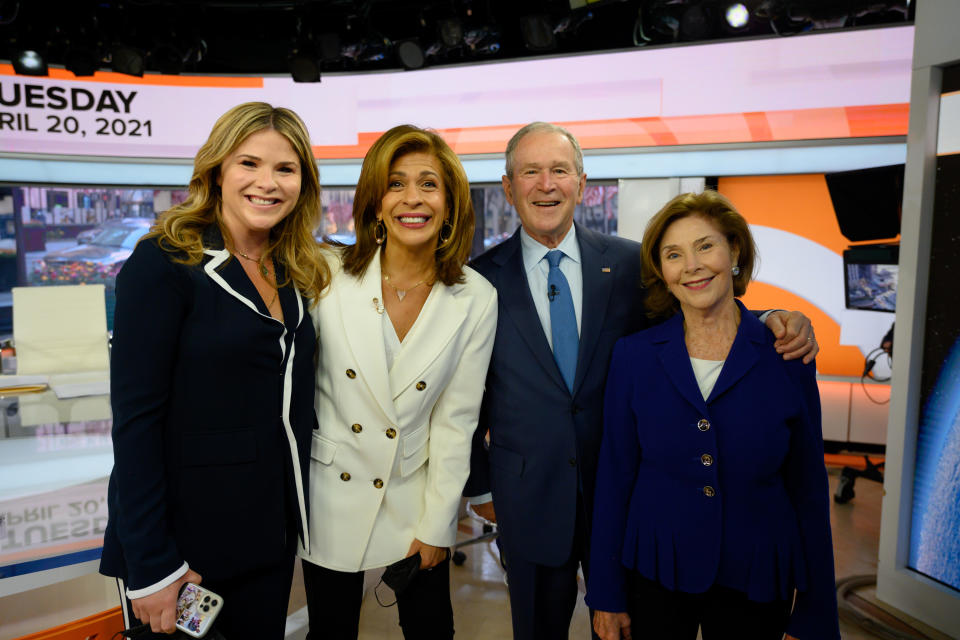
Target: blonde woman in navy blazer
x=212 y=382
x=711 y=501
x=405 y=336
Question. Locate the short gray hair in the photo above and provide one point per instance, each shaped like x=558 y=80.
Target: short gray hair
x=542 y=127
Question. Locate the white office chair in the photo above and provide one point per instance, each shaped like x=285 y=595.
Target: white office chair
x=60 y=329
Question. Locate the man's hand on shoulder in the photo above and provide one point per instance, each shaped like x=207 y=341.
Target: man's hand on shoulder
x=794 y=333
x=159 y=609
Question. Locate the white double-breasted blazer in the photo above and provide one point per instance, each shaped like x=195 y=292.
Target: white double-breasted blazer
x=392 y=452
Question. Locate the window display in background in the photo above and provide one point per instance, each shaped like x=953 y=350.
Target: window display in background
x=496 y=218
x=597 y=212
x=72 y=235
x=83 y=235
x=337 y=219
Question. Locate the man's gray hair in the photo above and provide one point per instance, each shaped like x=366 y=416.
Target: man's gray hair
x=542 y=127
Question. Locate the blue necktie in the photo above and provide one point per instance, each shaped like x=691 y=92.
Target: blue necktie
x=563 y=320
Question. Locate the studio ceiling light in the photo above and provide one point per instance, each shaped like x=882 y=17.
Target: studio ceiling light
x=304 y=67
x=81 y=60
x=451 y=32
x=410 y=54
x=167 y=58
x=126 y=60
x=737 y=15
x=538 y=33
x=29 y=62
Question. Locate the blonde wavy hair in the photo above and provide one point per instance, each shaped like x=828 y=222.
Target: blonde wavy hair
x=180 y=229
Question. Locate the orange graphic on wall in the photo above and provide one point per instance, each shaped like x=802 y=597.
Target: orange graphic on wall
x=799 y=205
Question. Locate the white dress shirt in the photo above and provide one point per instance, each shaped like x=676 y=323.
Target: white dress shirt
x=537 y=268
x=391 y=341
x=707 y=372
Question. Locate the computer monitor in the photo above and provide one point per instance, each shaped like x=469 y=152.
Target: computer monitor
x=870 y=277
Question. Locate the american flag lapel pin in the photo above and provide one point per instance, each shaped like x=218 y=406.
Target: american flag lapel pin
x=604 y=269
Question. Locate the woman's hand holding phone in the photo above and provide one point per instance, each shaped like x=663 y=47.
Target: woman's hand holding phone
x=159 y=609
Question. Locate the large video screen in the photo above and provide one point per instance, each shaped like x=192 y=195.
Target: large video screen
x=935 y=526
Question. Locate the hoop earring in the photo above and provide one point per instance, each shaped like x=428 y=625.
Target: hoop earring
x=380 y=232
x=735 y=270
x=446 y=232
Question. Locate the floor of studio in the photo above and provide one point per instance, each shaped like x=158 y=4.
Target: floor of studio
x=482 y=608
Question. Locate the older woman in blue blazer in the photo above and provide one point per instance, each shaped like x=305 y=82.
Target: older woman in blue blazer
x=405 y=334
x=712 y=501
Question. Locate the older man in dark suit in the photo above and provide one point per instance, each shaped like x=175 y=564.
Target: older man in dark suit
x=566 y=295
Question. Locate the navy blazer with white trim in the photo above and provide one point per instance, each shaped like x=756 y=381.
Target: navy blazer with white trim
x=212 y=415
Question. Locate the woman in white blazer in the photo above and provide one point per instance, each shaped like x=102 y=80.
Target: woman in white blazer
x=405 y=336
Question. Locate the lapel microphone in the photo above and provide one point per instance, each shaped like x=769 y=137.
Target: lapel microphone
x=553 y=293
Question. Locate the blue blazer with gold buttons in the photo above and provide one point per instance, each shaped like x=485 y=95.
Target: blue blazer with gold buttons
x=730 y=491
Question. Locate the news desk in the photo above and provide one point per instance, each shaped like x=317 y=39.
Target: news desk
x=55 y=461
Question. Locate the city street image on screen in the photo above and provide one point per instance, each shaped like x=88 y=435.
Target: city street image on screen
x=872 y=286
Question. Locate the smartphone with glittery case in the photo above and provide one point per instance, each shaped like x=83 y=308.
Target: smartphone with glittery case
x=197 y=608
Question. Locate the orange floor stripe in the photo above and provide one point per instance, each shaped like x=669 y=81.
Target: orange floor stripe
x=849 y=460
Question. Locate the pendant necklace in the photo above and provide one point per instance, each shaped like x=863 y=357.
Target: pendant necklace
x=264 y=272
x=263 y=267
x=401 y=293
